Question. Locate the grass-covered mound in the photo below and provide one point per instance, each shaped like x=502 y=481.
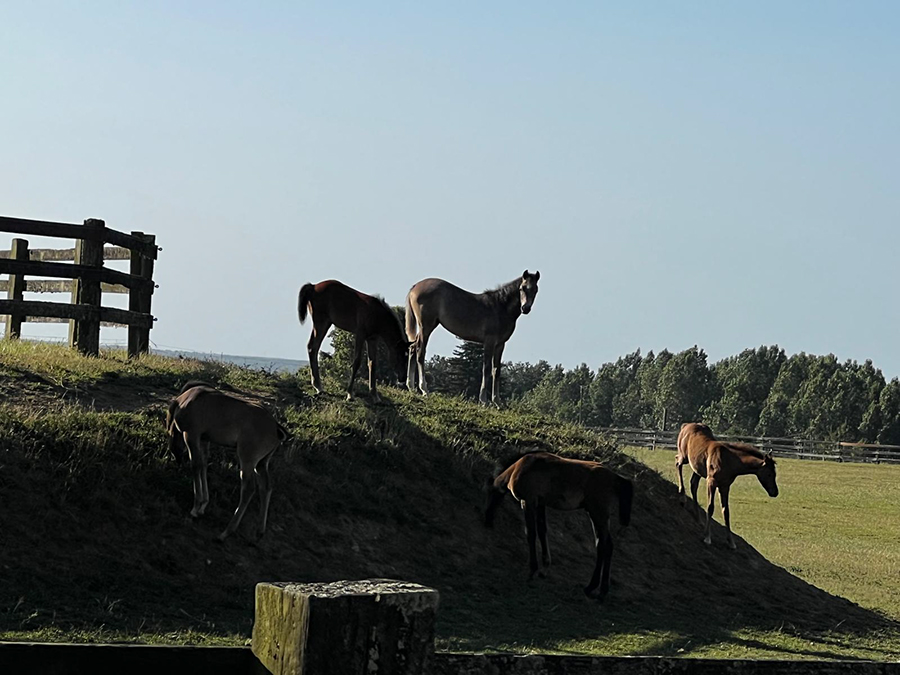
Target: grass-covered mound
x=96 y=542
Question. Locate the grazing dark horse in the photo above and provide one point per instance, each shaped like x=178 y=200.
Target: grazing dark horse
x=201 y=415
x=541 y=479
x=719 y=463
x=488 y=318
x=367 y=317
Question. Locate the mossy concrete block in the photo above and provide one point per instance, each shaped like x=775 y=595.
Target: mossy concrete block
x=368 y=627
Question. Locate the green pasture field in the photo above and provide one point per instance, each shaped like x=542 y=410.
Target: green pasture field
x=836 y=525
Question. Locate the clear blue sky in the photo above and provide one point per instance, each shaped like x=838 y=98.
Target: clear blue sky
x=720 y=174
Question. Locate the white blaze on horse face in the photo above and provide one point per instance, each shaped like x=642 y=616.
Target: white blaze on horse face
x=527 y=292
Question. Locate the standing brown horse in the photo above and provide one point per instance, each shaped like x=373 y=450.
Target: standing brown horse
x=201 y=415
x=488 y=318
x=720 y=463
x=541 y=479
x=367 y=317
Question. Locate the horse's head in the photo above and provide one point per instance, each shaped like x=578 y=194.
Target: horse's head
x=401 y=357
x=528 y=289
x=176 y=441
x=766 y=475
x=176 y=446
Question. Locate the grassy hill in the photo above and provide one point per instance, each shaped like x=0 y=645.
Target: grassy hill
x=96 y=542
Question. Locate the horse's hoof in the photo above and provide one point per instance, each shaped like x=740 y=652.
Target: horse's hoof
x=220 y=539
x=349 y=397
x=732 y=546
x=707 y=541
x=541 y=575
x=587 y=591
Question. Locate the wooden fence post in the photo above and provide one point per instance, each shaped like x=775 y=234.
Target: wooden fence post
x=85 y=334
x=370 y=627
x=139 y=299
x=15 y=289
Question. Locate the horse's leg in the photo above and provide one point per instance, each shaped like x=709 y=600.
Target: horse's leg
x=607 y=560
x=710 y=507
x=411 y=368
x=198 y=464
x=357 y=360
x=486 y=373
x=695 y=483
x=679 y=464
x=264 y=487
x=495 y=373
x=530 y=531
x=319 y=331
x=726 y=514
x=600 y=522
x=542 y=534
x=247 y=492
x=371 y=351
x=421 y=344
x=204 y=481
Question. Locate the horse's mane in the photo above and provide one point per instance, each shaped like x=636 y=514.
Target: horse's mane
x=746 y=448
x=391 y=311
x=505 y=292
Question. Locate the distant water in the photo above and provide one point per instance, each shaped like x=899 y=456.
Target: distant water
x=254 y=362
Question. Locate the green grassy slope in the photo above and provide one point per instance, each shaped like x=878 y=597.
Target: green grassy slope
x=96 y=544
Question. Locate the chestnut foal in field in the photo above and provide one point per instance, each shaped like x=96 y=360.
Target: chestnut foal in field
x=541 y=479
x=720 y=463
x=201 y=415
x=367 y=317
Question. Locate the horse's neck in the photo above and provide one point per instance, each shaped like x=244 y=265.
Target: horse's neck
x=747 y=463
x=510 y=305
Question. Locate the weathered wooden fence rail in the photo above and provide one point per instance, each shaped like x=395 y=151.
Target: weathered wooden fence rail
x=372 y=627
x=781 y=447
x=86 y=279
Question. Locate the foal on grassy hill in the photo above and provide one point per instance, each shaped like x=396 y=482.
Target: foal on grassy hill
x=720 y=463
x=489 y=318
x=367 y=317
x=541 y=479
x=201 y=415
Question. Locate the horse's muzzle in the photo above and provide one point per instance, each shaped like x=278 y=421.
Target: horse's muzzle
x=526 y=309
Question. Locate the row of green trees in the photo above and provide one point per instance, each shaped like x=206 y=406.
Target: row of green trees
x=759 y=392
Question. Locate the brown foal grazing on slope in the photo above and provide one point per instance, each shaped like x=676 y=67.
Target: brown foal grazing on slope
x=367 y=317
x=201 y=415
x=720 y=463
x=489 y=318
x=541 y=479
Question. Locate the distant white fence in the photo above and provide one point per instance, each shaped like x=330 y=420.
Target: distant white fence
x=799 y=448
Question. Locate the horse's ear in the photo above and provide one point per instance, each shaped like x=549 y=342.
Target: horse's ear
x=537 y=276
x=525 y=274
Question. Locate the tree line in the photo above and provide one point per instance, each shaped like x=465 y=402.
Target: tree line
x=759 y=392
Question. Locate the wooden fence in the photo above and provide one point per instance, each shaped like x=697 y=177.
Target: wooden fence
x=86 y=279
x=781 y=447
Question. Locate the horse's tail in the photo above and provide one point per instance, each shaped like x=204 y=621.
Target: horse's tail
x=626 y=493
x=410 y=320
x=306 y=293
